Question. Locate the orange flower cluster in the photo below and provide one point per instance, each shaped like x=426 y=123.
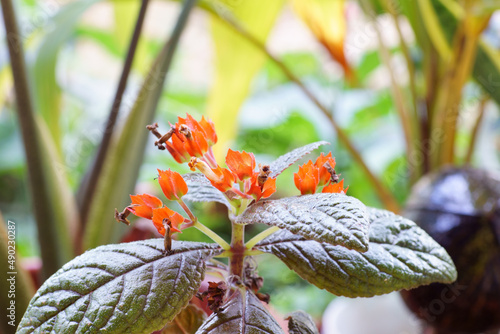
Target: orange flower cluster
x=241 y=170
x=151 y=207
x=192 y=139
x=322 y=173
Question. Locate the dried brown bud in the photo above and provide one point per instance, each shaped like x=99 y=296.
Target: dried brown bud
x=186 y=131
x=154 y=129
x=122 y=216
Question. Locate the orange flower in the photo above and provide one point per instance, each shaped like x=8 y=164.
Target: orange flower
x=172 y=184
x=242 y=164
x=221 y=178
x=306 y=180
x=177 y=150
x=261 y=191
x=336 y=188
x=169 y=216
x=143 y=205
x=324 y=173
x=191 y=138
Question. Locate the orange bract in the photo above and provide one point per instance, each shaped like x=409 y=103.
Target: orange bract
x=337 y=188
x=324 y=174
x=172 y=184
x=191 y=138
x=143 y=205
x=307 y=178
x=264 y=191
x=173 y=218
x=242 y=164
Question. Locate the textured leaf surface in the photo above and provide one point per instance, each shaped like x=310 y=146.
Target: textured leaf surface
x=186 y=322
x=242 y=314
x=299 y=322
x=200 y=190
x=336 y=219
x=401 y=256
x=124 y=288
x=286 y=160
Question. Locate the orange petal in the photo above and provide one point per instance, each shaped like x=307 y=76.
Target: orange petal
x=172 y=184
x=335 y=188
x=165 y=213
x=143 y=205
x=242 y=164
x=324 y=174
x=307 y=178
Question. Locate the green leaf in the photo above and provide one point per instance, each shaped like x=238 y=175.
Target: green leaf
x=125 y=288
x=186 y=322
x=236 y=61
x=336 y=219
x=279 y=165
x=201 y=190
x=401 y=256
x=242 y=314
x=299 y=322
x=46 y=90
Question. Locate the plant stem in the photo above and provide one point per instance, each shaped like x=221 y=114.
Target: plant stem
x=261 y=236
x=187 y=210
x=55 y=250
x=475 y=130
x=89 y=183
x=237 y=257
x=212 y=235
x=386 y=197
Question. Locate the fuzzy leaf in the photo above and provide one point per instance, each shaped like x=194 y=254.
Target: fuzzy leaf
x=279 y=165
x=124 y=288
x=401 y=256
x=299 y=322
x=336 y=219
x=186 y=322
x=242 y=314
x=201 y=190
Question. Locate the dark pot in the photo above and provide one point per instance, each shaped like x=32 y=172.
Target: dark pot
x=460 y=209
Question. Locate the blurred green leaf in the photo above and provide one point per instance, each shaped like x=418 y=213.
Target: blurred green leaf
x=104 y=38
x=236 y=61
x=303 y=64
x=276 y=140
x=121 y=168
x=46 y=90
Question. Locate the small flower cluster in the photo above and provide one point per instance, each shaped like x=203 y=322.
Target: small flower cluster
x=322 y=173
x=241 y=182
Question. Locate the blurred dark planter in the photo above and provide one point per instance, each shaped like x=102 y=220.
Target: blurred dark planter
x=460 y=209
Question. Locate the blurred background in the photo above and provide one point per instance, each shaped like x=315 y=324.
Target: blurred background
x=399 y=89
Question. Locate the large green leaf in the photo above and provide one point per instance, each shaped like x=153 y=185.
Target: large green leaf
x=242 y=314
x=336 y=219
x=236 y=61
x=279 y=165
x=299 y=322
x=400 y=256
x=120 y=170
x=47 y=91
x=124 y=288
